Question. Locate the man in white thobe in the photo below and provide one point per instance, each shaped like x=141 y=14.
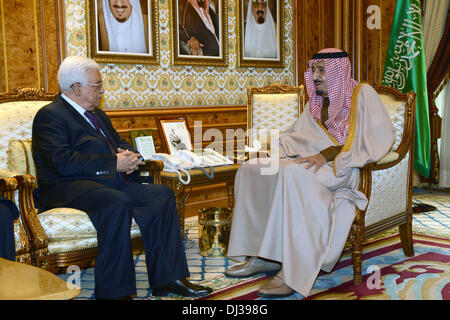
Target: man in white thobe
x=260 y=40
x=298 y=219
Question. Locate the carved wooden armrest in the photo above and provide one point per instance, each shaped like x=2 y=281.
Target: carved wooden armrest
x=7 y=184
x=154 y=168
x=27 y=184
x=389 y=160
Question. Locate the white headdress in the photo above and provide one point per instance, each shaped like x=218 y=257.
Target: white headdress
x=128 y=36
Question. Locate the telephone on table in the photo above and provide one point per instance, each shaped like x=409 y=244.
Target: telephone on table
x=184 y=160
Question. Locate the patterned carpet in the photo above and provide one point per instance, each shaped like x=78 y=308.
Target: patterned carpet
x=425 y=276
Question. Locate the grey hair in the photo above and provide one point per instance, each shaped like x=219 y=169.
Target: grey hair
x=73 y=70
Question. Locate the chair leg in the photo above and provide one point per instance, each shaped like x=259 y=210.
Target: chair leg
x=356 y=238
x=357 y=262
x=406 y=238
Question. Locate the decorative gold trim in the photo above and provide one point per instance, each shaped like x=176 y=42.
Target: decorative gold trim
x=8 y=186
x=27 y=94
x=353 y=117
x=327 y=132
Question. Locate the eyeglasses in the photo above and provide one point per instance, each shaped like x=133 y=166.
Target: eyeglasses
x=96 y=85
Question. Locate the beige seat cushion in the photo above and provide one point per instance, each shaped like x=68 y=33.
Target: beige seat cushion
x=69 y=229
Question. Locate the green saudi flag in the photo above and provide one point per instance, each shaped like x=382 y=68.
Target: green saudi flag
x=405 y=70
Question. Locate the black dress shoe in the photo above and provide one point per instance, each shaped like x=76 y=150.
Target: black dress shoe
x=183 y=288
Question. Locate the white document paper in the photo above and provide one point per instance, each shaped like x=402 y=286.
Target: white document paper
x=145 y=146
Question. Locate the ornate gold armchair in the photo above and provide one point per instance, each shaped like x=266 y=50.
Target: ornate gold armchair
x=8 y=187
x=59 y=237
x=387 y=183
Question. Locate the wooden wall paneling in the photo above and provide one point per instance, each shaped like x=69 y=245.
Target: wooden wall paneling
x=343 y=24
x=29 y=45
x=20 y=47
x=376 y=41
x=315 y=30
x=60 y=30
x=50 y=44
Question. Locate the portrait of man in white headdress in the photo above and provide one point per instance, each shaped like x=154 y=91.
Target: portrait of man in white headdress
x=260 y=32
x=123 y=26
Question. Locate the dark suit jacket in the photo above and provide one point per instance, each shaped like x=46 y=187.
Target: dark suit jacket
x=70 y=155
x=193 y=26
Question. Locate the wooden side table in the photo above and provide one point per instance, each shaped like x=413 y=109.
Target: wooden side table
x=20 y=281
x=198 y=178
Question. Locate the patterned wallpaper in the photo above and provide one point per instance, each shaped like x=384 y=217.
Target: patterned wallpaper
x=167 y=85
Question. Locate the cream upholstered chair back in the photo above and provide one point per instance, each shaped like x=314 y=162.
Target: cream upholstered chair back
x=391 y=187
x=17 y=111
x=272 y=107
x=388 y=182
x=61 y=236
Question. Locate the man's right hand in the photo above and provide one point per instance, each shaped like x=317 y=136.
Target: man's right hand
x=127 y=161
x=195 y=46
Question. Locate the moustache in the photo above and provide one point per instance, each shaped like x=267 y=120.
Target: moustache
x=317 y=82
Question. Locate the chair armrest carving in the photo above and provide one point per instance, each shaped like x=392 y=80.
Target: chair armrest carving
x=154 y=168
x=27 y=184
x=8 y=187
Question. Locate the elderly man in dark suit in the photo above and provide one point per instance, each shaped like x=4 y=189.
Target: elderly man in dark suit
x=8 y=213
x=83 y=163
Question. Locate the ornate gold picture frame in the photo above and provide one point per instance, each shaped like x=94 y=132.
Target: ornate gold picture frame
x=199 y=32
x=123 y=32
x=261 y=39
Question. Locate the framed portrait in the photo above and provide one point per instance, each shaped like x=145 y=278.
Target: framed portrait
x=175 y=134
x=123 y=31
x=199 y=32
x=261 y=28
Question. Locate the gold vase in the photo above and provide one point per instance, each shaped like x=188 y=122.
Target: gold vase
x=214 y=225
